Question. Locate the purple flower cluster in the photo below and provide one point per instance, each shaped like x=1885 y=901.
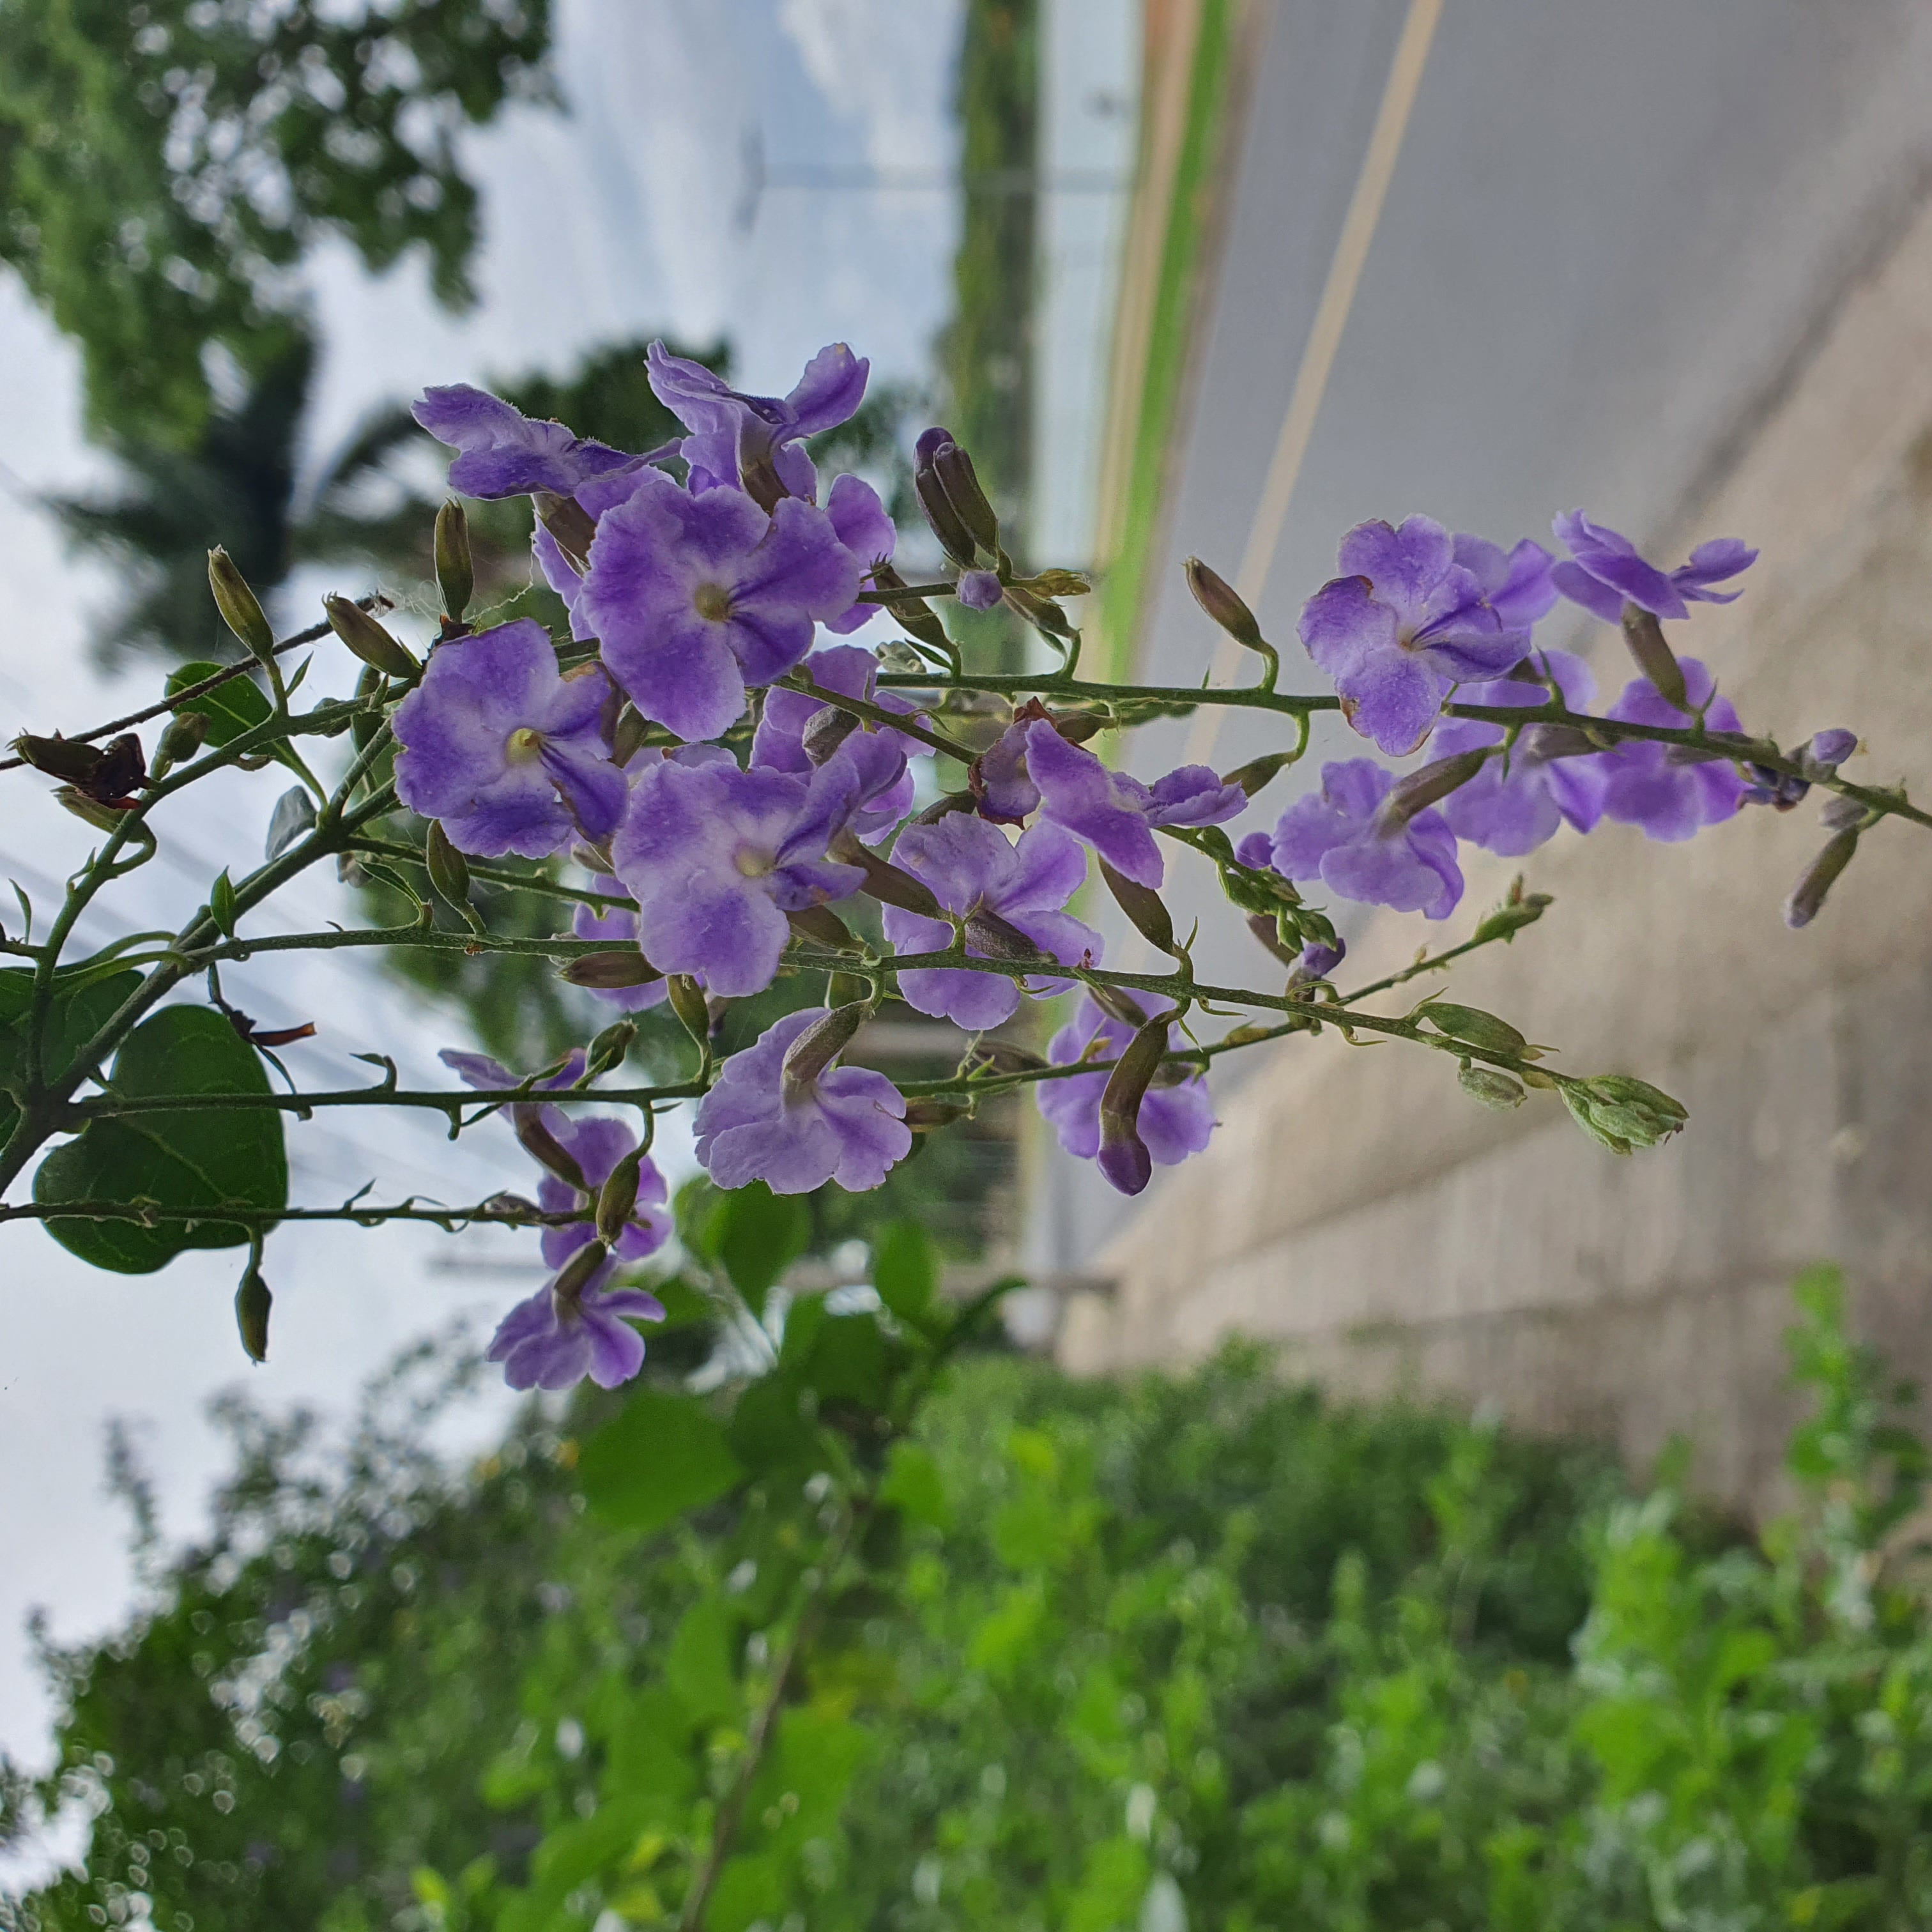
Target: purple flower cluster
x=576 y=1325
x=698 y=577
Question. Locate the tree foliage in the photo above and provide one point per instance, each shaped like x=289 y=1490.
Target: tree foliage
x=167 y=164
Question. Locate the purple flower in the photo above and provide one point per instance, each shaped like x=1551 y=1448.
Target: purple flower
x=720 y=418
x=1175 y=1121
x=503 y=454
x=1667 y=790
x=564 y=1333
x=594 y=498
x=695 y=597
x=847 y=1125
x=1515 y=582
x=974 y=869
x=1343 y=836
x=860 y=521
x=1608 y=573
x=881 y=753
x=617 y=927
x=1115 y=813
x=1403 y=622
x=1002 y=787
x=980 y=589
x=1512 y=812
x=507 y=753
x=715 y=857
x=478 y=1070
x=1317 y=961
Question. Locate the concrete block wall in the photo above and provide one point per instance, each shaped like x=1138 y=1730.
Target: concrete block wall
x=1359 y=1210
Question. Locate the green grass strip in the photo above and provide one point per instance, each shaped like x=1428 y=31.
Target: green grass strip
x=1123 y=593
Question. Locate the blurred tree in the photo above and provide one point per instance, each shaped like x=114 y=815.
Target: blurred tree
x=167 y=164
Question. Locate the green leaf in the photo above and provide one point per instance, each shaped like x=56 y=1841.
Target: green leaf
x=697 y=1668
x=756 y=1235
x=79 y=1009
x=199 y=1157
x=662 y=1456
x=768 y=1432
x=230 y=709
x=905 y=1271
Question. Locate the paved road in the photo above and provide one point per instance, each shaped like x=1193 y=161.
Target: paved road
x=1612 y=233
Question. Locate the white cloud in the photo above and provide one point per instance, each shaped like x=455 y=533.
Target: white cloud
x=887 y=63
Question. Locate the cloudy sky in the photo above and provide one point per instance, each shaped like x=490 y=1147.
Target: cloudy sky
x=619 y=218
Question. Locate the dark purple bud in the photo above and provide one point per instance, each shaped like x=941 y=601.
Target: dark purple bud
x=1839 y=814
x=960 y=482
x=1807 y=896
x=930 y=443
x=1654 y=658
x=1316 y=962
x=1223 y=603
x=937 y=507
x=1828 y=750
x=826 y=731
x=758 y=469
x=1124 y=1159
x=997 y=939
x=544 y=1148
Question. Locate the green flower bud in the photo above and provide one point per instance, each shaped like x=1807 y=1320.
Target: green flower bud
x=544 y=1148
x=1644 y=635
x=823 y=927
x=252 y=1303
x=922 y=1116
x=686 y=999
x=221 y=903
x=619 y=1195
x=1621 y=1113
x=240 y=610
x=579 y=1271
x=1807 y=896
x=448 y=870
x=1259 y=772
x=608 y=1049
x=185 y=733
x=1472 y=1023
x=608 y=971
x=1492 y=1088
x=455 y=573
x=820 y=1045
x=368 y=640
x=1146 y=909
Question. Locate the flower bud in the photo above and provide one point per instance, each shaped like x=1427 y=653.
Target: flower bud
x=1644 y=635
x=1258 y=772
x=1472 y=1023
x=1146 y=909
x=569 y=522
x=960 y=482
x=240 y=610
x=687 y=1000
x=455 y=572
x=544 y=1147
x=1059 y=584
x=1434 y=782
x=1266 y=928
x=1317 y=961
x=608 y=1049
x=1117 y=1004
x=1520 y=909
x=577 y=1273
x=185 y=733
x=820 y=1045
x=1621 y=1113
x=368 y=640
x=757 y=467
x=1827 y=751
x=914 y=614
x=252 y=1303
x=1839 y=814
x=998 y=938
x=922 y=1116
x=825 y=730
x=609 y=972
x=1223 y=603
x=1124 y=1159
x=884 y=881
x=1043 y=615
x=1492 y=1088
x=448 y=870
x=221 y=903
x=1003 y=1057
x=627 y=735
x=979 y=590
x=619 y=1195
x=823 y=927
x=1807 y=896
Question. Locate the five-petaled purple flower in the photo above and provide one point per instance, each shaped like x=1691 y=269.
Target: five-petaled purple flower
x=1553 y=774
x=695 y=597
x=1517 y=584
x=1116 y=814
x=1175 y=1120
x=974 y=870
x=509 y=753
x=1404 y=622
x=715 y=857
x=501 y=452
x=724 y=422
x=1669 y=790
x=1607 y=572
x=1349 y=837
x=846 y=1124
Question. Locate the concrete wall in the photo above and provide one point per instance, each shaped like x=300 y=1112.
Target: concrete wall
x=1357 y=1208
